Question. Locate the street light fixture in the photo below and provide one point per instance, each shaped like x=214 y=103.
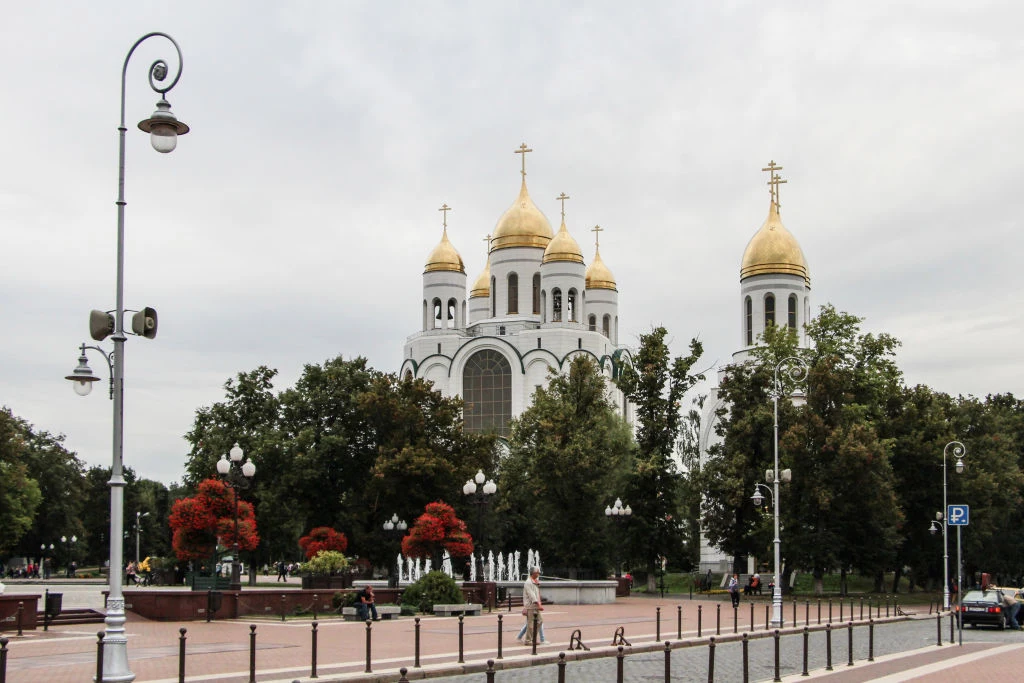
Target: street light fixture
x=617 y=512
x=397 y=527
x=237 y=476
x=163 y=128
x=138 y=524
x=478 y=489
x=69 y=546
x=959 y=451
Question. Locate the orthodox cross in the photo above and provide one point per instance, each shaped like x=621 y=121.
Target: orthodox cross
x=523 y=149
x=597 y=230
x=488 y=240
x=446 y=209
x=774 y=181
x=561 y=198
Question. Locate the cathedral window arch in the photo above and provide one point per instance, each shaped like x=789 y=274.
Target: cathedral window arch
x=544 y=306
x=791 y=318
x=487 y=393
x=494 y=298
x=769 y=310
x=437 y=314
x=592 y=322
x=556 y=305
x=453 y=311
x=748 y=315
x=513 y=294
x=606 y=326
x=571 y=306
x=536 y=293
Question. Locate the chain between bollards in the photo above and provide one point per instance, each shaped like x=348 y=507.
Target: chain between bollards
x=561 y=667
x=252 y=653
x=499 y=634
x=369 y=640
x=416 y=661
x=775 y=636
x=461 y=634
x=711 y=660
x=828 y=647
x=807 y=633
x=181 y=654
x=620 y=657
x=99 y=657
x=312 y=666
x=746 y=660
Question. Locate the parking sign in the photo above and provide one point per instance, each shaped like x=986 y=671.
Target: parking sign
x=958 y=515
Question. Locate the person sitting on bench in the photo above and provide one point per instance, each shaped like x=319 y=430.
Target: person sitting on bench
x=365 y=604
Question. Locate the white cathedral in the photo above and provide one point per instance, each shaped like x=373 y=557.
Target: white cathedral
x=774 y=282
x=535 y=305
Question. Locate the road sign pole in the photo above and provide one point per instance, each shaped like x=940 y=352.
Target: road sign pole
x=959 y=583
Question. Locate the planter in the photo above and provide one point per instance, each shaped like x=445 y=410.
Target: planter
x=338 y=582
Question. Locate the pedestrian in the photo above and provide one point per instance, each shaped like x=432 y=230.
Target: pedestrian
x=282 y=571
x=734 y=590
x=1012 y=607
x=532 y=609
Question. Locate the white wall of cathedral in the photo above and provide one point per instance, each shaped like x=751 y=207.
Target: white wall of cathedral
x=444 y=300
x=760 y=295
x=563 y=293
x=603 y=305
x=479 y=308
x=523 y=263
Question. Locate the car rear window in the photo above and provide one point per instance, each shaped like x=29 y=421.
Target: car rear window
x=981 y=596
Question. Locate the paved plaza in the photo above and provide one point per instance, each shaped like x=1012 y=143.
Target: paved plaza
x=904 y=649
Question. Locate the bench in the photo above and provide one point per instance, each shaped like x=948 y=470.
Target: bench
x=471 y=609
x=383 y=611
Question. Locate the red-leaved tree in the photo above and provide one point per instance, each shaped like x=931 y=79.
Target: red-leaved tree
x=436 y=530
x=198 y=522
x=322 y=538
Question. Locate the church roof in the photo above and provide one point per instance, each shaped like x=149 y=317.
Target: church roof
x=482 y=286
x=444 y=257
x=563 y=248
x=598 y=274
x=522 y=225
x=773 y=250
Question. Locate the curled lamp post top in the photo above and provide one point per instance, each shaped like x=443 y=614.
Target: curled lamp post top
x=959 y=451
x=795 y=369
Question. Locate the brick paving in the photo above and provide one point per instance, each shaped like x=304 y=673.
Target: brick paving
x=219 y=651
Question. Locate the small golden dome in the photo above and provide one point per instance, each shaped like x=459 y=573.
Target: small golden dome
x=444 y=257
x=773 y=250
x=598 y=275
x=482 y=286
x=523 y=225
x=563 y=248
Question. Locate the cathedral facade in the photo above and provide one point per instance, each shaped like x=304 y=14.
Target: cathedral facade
x=535 y=305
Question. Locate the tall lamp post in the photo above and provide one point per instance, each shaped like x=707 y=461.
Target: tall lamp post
x=138 y=526
x=69 y=546
x=479 y=489
x=959 y=451
x=237 y=476
x=396 y=527
x=618 y=513
x=164 y=129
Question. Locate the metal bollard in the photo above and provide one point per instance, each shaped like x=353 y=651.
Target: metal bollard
x=849 y=644
x=735 y=619
x=819 y=610
x=952 y=628
x=807 y=634
x=284 y=609
x=46 y=612
x=718 y=620
x=618 y=665
x=668 y=662
x=700 y=609
x=862 y=608
x=534 y=630
x=767 y=620
x=794 y=611
x=938 y=630
x=416 y=661
x=21 y=612
x=887 y=607
x=711 y=660
x=852 y=602
x=99 y=657
x=657 y=624
x=316 y=605
x=679 y=620
x=807 y=613
x=751 y=616
x=840 y=610
x=3 y=660
x=404 y=678
x=828 y=647
x=776 y=636
x=871 y=639
x=252 y=653
x=746 y=659
x=490 y=671
x=499 y=634
x=561 y=667
x=369 y=640
x=312 y=667
x=830 y=610
x=461 y=638
x=181 y=654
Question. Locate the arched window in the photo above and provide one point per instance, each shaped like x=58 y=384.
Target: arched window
x=494 y=298
x=543 y=306
x=513 y=294
x=571 y=304
x=437 y=314
x=769 y=310
x=792 y=311
x=592 y=322
x=453 y=307
x=556 y=305
x=426 y=316
x=748 y=314
x=487 y=393
x=606 y=325
x=536 y=293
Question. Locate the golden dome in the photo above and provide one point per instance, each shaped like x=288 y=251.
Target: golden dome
x=482 y=286
x=523 y=225
x=563 y=248
x=444 y=257
x=598 y=275
x=773 y=250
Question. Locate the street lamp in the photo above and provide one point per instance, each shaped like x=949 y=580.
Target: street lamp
x=235 y=480
x=163 y=128
x=619 y=513
x=397 y=527
x=797 y=371
x=138 y=524
x=959 y=451
x=69 y=546
x=478 y=489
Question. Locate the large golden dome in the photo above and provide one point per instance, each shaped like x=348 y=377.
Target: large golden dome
x=523 y=225
x=598 y=275
x=444 y=257
x=563 y=248
x=482 y=286
x=773 y=250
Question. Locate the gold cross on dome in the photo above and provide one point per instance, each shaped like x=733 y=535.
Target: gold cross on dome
x=597 y=230
x=561 y=198
x=488 y=240
x=774 y=181
x=446 y=209
x=523 y=149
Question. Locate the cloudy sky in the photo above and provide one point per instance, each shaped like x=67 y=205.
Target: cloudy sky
x=292 y=224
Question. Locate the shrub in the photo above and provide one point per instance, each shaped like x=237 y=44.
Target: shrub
x=436 y=588
x=326 y=563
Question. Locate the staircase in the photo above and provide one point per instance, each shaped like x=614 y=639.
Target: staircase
x=73 y=617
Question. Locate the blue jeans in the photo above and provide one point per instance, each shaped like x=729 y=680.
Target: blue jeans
x=1012 y=611
x=364 y=609
x=540 y=631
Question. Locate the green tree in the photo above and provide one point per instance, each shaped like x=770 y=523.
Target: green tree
x=656 y=383
x=19 y=494
x=570 y=450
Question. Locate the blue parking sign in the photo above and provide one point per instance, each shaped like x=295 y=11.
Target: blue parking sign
x=958 y=515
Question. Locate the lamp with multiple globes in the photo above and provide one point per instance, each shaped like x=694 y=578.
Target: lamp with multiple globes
x=237 y=475
x=479 y=489
x=617 y=512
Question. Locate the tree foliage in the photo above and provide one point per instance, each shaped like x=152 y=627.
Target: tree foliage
x=437 y=530
x=200 y=522
x=323 y=538
x=19 y=493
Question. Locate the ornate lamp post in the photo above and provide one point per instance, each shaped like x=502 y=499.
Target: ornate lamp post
x=164 y=130
x=478 y=489
x=138 y=526
x=237 y=476
x=396 y=527
x=69 y=546
x=620 y=514
x=959 y=451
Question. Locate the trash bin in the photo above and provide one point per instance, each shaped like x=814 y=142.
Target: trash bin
x=54 y=602
x=213 y=601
